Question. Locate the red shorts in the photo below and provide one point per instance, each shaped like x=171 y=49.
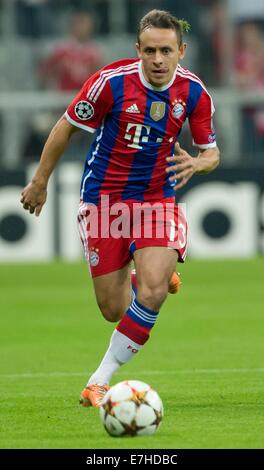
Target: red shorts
x=111 y=234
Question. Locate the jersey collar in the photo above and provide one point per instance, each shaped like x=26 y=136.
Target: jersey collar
x=151 y=87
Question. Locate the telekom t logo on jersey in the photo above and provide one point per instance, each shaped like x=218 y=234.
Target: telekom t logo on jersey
x=138 y=133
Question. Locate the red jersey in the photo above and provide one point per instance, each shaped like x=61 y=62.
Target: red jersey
x=137 y=126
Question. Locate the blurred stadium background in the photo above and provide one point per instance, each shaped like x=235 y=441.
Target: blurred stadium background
x=42 y=39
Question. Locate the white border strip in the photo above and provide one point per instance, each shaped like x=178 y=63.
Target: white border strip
x=78 y=124
x=205 y=146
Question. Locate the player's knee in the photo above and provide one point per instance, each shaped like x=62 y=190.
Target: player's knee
x=152 y=296
x=110 y=312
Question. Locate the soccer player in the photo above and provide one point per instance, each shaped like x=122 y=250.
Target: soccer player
x=137 y=108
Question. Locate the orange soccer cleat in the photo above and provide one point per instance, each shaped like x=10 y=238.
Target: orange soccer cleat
x=174 y=284
x=92 y=395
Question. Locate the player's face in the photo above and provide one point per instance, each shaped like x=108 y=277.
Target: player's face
x=160 y=53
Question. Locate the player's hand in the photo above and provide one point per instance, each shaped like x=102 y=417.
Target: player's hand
x=33 y=197
x=184 y=166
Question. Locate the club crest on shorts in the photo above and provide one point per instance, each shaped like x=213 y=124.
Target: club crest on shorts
x=84 y=110
x=157 y=110
x=93 y=257
x=178 y=108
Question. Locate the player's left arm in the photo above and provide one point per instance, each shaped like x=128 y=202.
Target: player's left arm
x=186 y=166
x=201 y=125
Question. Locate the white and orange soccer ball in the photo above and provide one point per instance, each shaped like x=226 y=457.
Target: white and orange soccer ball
x=131 y=408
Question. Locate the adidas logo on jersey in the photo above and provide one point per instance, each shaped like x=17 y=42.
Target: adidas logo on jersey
x=132 y=109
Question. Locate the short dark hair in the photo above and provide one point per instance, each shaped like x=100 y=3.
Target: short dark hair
x=164 y=20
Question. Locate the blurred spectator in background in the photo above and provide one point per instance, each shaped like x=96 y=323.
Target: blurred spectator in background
x=249 y=56
x=249 y=75
x=69 y=65
x=33 y=17
x=99 y=9
x=73 y=60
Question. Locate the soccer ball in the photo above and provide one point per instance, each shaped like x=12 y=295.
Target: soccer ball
x=131 y=408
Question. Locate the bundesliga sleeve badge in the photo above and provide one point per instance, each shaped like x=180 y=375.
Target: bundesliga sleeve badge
x=212 y=138
x=84 y=110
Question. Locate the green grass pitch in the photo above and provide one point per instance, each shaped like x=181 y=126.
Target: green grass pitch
x=205 y=358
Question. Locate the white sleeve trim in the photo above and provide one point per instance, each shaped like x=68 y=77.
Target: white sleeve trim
x=205 y=146
x=78 y=124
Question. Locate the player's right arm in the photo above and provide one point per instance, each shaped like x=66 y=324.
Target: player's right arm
x=86 y=112
x=34 y=195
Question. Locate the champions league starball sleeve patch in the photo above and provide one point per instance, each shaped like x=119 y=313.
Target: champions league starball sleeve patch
x=84 y=110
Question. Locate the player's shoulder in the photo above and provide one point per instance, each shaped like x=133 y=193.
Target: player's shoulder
x=187 y=75
x=98 y=84
x=117 y=68
x=121 y=65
